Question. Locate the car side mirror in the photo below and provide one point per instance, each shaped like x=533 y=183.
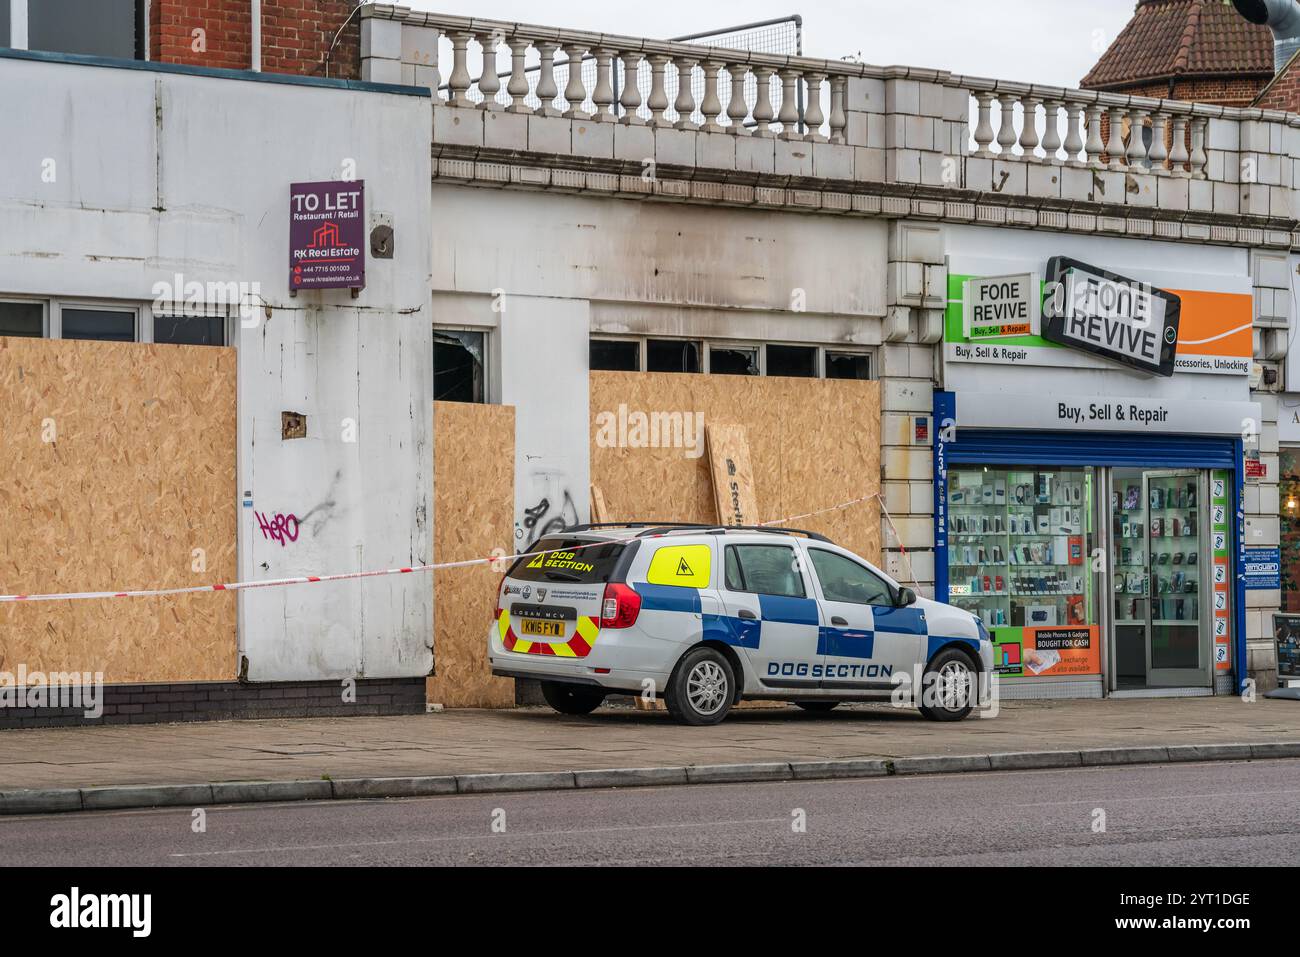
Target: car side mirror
x=906 y=597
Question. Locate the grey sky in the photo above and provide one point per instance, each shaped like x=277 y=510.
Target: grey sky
x=1044 y=41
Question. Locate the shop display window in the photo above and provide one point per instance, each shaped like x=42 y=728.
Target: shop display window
x=1019 y=541
x=1289 y=501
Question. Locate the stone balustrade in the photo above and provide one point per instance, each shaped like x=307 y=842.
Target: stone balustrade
x=800 y=116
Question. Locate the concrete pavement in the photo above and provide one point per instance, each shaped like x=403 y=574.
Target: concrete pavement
x=493 y=742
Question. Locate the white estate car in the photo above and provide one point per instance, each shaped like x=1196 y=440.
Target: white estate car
x=708 y=616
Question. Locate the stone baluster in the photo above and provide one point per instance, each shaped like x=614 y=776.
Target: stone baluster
x=575 y=91
x=839 y=118
x=1029 y=127
x=630 y=98
x=1115 y=142
x=603 y=95
x=1007 y=129
x=984 y=124
x=1137 y=138
x=1159 y=151
x=1198 y=158
x=459 y=81
x=1074 y=132
x=1051 y=131
x=813 y=116
x=517 y=86
x=1178 y=147
x=737 y=109
x=684 y=104
x=1094 y=146
x=658 y=99
x=763 y=112
x=489 y=83
x=547 y=91
x=711 y=104
x=788 y=116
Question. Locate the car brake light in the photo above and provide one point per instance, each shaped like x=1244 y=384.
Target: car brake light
x=620 y=607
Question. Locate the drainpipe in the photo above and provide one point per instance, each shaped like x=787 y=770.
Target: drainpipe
x=1283 y=18
x=257 y=36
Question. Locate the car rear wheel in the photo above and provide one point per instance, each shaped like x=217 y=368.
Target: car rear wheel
x=948 y=689
x=571 y=699
x=817 y=706
x=701 y=688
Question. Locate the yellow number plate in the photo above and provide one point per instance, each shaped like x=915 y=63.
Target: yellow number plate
x=543 y=629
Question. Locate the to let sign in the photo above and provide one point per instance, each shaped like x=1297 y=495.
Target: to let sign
x=327 y=235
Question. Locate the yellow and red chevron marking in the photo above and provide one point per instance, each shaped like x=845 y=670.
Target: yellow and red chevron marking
x=579 y=646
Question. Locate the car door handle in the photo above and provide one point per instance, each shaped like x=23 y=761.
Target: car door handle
x=837 y=620
x=746 y=613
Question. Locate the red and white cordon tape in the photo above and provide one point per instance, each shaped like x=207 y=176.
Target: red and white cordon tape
x=380 y=572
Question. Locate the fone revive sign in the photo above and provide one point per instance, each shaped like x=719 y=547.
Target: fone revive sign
x=1111 y=316
x=1001 y=306
x=327 y=235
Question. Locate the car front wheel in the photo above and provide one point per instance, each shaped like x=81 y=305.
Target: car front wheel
x=948 y=689
x=701 y=688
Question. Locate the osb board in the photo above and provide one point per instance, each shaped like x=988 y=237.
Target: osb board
x=140 y=474
x=733 y=477
x=813 y=444
x=473 y=514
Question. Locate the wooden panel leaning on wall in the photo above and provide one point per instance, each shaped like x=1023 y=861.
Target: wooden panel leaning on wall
x=473 y=513
x=117 y=471
x=813 y=443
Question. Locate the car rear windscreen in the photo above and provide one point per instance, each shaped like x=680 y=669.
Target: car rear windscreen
x=565 y=561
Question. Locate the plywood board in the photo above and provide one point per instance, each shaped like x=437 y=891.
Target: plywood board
x=118 y=472
x=813 y=444
x=473 y=502
x=732 y=475
x=598 y=511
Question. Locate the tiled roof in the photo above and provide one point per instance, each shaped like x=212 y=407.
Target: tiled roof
x=1181 y=38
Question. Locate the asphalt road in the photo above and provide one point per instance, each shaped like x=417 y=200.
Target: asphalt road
x=1217 y=813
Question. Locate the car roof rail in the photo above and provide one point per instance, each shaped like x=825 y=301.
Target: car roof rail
x=713 y=528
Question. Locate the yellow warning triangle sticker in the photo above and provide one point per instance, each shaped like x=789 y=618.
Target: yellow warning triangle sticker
x=536 y=562
x=683 y=568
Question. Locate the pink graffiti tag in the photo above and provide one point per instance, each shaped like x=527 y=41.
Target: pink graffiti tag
x=278 y=528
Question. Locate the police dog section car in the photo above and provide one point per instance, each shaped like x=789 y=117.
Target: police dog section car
x=708 y=616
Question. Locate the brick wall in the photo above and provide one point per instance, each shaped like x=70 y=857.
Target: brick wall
x=227 y=700
x=1284 y=94
x=1218 y=91
x=296 y=35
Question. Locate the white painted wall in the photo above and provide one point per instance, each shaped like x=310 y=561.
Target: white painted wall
x=157 y=173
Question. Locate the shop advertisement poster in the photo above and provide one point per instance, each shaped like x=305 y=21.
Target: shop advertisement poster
x=1001 y=306
x=1047 y=651
x=1221 y=562
x=1263 y=568
x=1286 y=633
x=1212 y=332
x=327 y=235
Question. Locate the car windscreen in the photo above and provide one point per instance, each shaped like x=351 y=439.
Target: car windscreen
x=566 y=561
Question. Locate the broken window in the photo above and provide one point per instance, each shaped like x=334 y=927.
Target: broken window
x=618 y=355
x=733 y=360
x=672 y=355
x=798 y=361
x=458 y=371
x=189 y=330
x=848 y=365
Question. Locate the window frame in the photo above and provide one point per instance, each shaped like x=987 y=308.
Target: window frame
x=97 y=305
x=707 y=345
x=893 y=592
x=27 y=300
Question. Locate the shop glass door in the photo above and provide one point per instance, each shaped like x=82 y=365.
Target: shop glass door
x=1161 y=632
